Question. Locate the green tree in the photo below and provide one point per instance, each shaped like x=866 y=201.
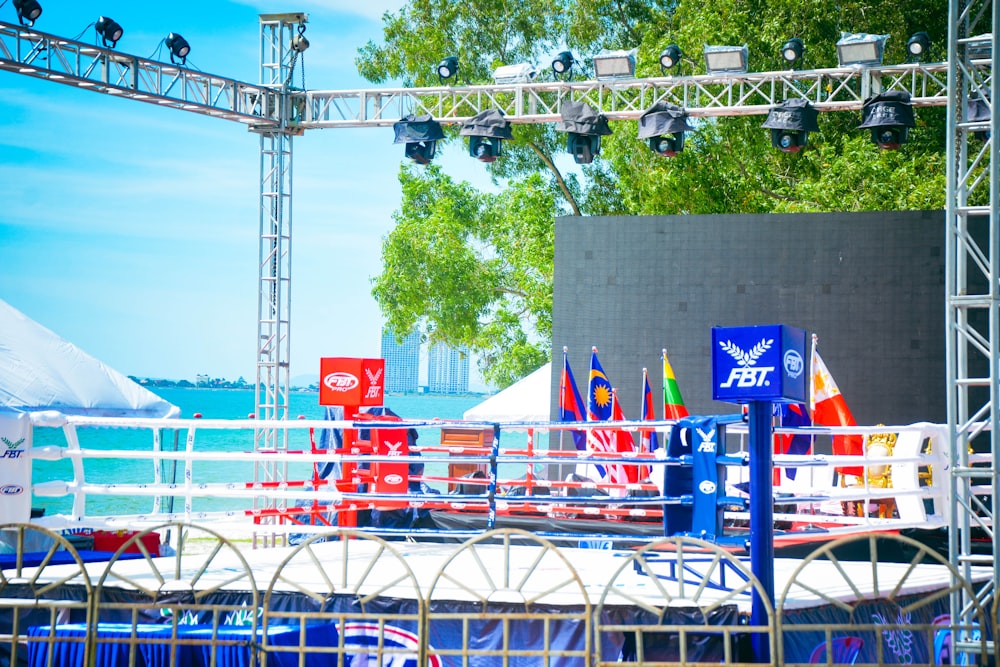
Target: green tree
x=476 y=267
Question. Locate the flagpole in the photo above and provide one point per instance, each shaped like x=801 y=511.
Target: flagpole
x=562 y=390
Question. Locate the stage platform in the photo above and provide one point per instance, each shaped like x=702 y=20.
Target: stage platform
x=509 y=597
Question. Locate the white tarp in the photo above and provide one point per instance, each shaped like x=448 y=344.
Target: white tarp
x=527 y=400
x=41 y=371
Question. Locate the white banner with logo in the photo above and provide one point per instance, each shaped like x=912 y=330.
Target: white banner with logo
x=15 y=468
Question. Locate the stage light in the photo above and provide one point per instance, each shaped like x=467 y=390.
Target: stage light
x=507 y=74
x=790 y=123
x=109 y=30
x=980 y=111
x=299 y=42
x=585 y=127
x=670 y=58
x=420 y=134
x=486 y=131
x=27 y=11
x=792 y=51
x=179 y=48
x=614 y=65
x=447 y=68
x=664 y=125
x=562 y=65
x=860 y=49
x=889 y=116
x=918 y=45
x=726 y=59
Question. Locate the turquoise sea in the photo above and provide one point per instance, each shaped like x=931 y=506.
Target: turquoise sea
x=211 y=404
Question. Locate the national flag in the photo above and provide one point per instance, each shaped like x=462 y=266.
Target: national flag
x=649 y=440
x=624 y=444
x=600 y=407
x=598 y=391
x=793 y=415
x=570 y=403
x=830 y=409
x=673 y=403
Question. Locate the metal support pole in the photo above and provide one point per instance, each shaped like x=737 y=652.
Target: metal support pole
x=761 y=520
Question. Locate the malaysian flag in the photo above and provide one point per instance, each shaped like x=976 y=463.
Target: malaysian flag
x=601 y=406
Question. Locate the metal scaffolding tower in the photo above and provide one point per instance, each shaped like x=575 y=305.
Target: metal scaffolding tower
x=277 y=112
x=972 y=289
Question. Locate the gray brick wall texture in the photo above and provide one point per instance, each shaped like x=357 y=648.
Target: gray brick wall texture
x=870 y=285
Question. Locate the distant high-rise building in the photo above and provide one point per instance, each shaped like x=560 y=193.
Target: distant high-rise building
x=402 y=362
x=447 y=370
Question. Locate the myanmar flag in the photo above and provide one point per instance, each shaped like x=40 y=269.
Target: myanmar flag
x=673 y=403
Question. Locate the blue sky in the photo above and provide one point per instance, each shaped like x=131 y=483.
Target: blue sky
x=132 y=230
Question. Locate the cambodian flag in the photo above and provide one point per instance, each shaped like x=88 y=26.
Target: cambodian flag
x=570 y=403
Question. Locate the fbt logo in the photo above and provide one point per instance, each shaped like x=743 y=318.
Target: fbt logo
x=794 y=363
x=747 y=373
x=707 y=443
x=397 y=643
x=12 y=451
x=340 y=382
x=11 y=490
x=393 y=448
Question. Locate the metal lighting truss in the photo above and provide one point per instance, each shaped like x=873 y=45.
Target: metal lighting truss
x=972 y=287
x=28 y=51
x=277 y=112
x=838 y=89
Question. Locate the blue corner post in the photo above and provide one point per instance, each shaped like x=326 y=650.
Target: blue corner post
x=761 y=520
x=756 y=366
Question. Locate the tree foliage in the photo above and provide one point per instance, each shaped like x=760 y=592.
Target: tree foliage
x=475 y=268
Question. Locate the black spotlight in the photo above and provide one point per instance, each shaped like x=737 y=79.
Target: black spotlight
x=420 y=134
x=447 y=68
x=486 y=131
x=562 y=66
x=664 y=126
x=179 y=48
x=889 y=116
x=792 y=51
x=27 y=11
x=585 y=127
x=109 y=30
x=790 y=123
x=917 y=46
x=670 y=58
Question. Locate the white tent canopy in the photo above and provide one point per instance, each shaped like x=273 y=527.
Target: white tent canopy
x=41 y=371
x=527 y=400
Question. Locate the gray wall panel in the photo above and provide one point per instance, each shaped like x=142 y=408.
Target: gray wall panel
x=870 y=285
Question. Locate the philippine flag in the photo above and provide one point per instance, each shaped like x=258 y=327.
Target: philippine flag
x=830 y=409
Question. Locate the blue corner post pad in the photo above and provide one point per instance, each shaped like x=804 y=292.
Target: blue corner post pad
x=698 y=439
